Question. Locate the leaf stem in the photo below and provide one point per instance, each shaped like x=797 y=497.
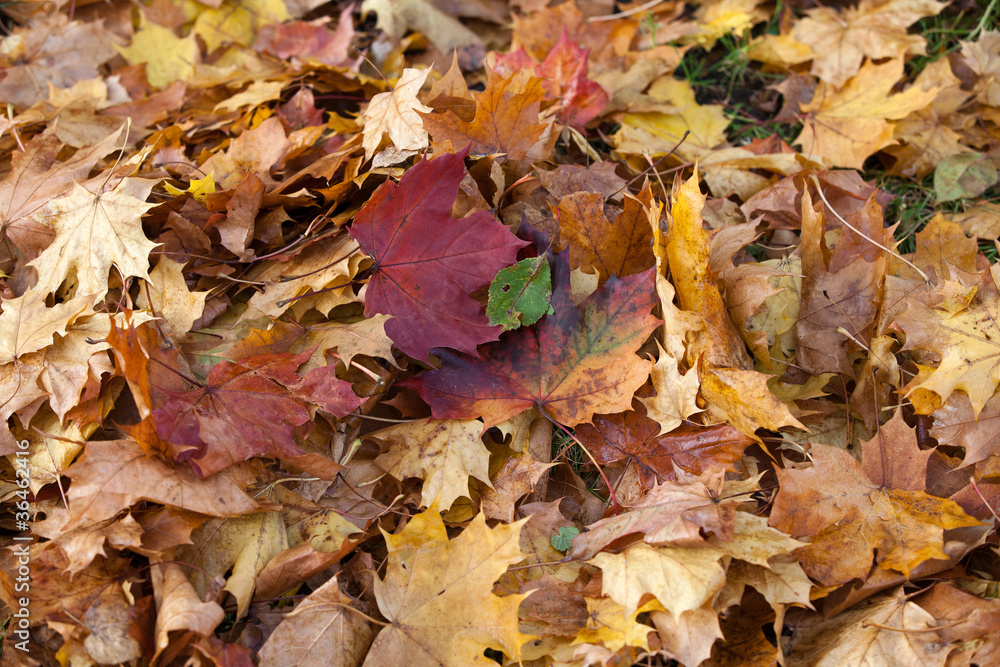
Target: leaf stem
x=611 y=491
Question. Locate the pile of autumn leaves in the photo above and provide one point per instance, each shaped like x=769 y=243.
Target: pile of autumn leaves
x=212 y=471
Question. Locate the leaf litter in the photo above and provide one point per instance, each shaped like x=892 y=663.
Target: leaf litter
x=499 y=333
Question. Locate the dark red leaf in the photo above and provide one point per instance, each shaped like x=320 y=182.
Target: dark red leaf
x=427 y=264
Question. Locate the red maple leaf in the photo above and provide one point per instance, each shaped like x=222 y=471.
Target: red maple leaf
x=564 y=76
x=249 y=408
x=575 y=363
x=428 y=263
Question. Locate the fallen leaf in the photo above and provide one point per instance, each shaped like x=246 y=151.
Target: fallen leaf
x=395 y=114
x=178 y=607
x=240 y=546
x=506 y=119
x=168 y=296
x=964 y=176
x=576 y=363
x=321 y=630
x=744 y=401
x=437 y=595
x=252 y=408
x=617 y=249
x=885 y=629
x=517 y=477
x=634 y=437
x=52 y=50
x=167 y=57
x=874 y=28
x=962 y=333
x=442 y=453
x=843 y=126
x=849 y=517
x=95 y=231
x=676 y=394
x=520 y=294
x=113 y=475
x=422 y=279
x=609 y=624
x=310 y=40
x=681 y=579
x=442 y=29
x=688 y=252
x=671 y=513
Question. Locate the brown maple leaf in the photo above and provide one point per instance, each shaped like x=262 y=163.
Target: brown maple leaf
x=634 y=437
x=849 y=516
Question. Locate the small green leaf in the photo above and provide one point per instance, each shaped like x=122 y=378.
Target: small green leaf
x=564 y=540
x=520 y=294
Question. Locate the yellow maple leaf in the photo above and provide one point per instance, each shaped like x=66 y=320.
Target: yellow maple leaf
x=27 y=325
x=94 y=232
x=242 y=546
x=676 y=393
x=168 y=296
x=688 y=251
x=843 y=126
x=608 y=624
x=199 y=188
x=444 y=453
x=234 y=21
x=682 y=579
x=657 y=132
x=965 y=332
x=168 y=58
x=875 y=28
x=438 y=596
x=743 y=400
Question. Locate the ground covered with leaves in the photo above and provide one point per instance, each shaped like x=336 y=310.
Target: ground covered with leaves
x=422 y=332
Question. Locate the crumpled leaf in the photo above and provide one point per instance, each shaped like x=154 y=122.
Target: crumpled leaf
x=634 y=437
x=241 y=546
x=395 y=114
x=849 y=517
